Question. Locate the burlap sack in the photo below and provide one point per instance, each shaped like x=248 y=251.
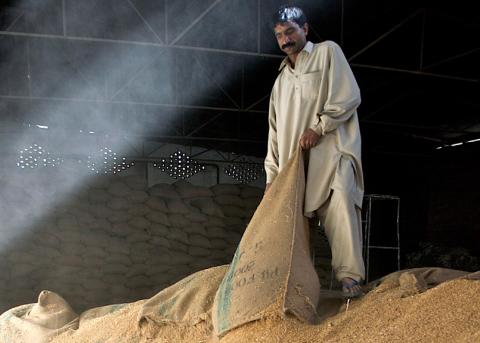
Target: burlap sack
x=271 y=268
x=39 y=322
x=187 y=302
x=429 y=276
x=187 y=190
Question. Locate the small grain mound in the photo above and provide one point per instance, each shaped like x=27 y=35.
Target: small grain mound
x=172 y=333
x=446 y=313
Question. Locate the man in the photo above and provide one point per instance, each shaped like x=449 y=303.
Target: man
x=313 y=104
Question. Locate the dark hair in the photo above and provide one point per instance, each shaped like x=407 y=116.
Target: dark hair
x=289 y=13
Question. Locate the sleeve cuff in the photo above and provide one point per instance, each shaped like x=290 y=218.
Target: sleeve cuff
x=318 y=128
x=271 y=174
x=270 y=178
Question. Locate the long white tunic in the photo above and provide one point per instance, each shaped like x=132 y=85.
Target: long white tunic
x=319 y=93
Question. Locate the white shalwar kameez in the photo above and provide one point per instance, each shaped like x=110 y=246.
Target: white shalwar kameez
x=321 y=93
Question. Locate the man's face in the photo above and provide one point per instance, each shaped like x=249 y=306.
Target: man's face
x=291 y=38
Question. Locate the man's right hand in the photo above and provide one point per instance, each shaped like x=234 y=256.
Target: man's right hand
x=309 y=139
x=267 y=187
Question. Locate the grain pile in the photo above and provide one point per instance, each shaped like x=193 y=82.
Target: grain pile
x=391 y=312
x=446 y=313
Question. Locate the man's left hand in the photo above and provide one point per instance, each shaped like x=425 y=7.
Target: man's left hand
x=309 y=139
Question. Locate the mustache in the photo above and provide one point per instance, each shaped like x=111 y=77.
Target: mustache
x=288 y=44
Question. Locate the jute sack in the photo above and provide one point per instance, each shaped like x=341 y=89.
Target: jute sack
x=187 y=302
x=271 y=268
x=39 y=322
x=428 y=276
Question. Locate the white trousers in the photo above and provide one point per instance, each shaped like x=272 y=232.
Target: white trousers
x=341 y=218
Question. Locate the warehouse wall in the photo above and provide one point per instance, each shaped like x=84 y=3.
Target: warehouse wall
x=453 y=201
x=439 y=199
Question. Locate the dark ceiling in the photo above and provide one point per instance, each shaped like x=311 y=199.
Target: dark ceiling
x=199 y=72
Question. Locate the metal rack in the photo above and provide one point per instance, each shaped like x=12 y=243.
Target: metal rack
x=320 y=249
x=367 y=215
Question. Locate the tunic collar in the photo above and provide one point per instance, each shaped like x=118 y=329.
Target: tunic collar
x=307 y=48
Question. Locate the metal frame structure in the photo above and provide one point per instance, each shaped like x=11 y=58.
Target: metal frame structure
x=146 y=157
x=367 y=212
x=367 y=227
x=173 y=43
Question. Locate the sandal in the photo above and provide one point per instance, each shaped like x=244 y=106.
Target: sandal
x=352 y=290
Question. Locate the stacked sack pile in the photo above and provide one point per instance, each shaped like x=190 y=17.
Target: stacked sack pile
x=117 y=240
